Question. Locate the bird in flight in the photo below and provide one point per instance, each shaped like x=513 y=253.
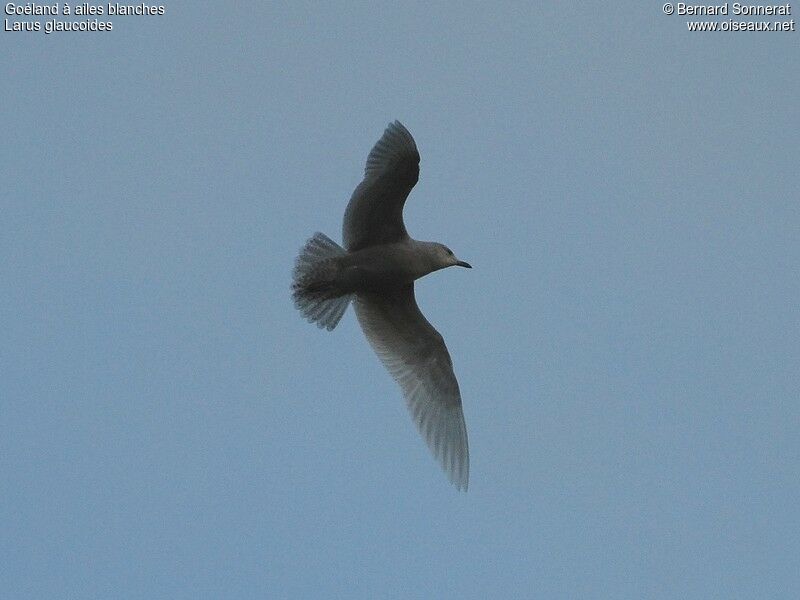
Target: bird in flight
x=376 y=271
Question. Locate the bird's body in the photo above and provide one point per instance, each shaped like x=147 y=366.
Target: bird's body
x=384 y=267
x=376 y=271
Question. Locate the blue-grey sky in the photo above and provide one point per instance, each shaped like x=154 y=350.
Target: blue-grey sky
x=626 y=343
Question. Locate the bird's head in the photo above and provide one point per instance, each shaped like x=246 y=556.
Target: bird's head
x=444 y=257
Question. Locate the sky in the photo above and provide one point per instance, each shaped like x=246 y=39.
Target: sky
x=626 y=343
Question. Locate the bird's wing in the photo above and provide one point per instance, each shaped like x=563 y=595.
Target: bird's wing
x=415 y=355
x=375 y=212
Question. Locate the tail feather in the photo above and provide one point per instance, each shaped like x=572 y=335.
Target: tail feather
x=314 y=286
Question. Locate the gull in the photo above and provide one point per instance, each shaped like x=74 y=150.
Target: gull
x=375 y=271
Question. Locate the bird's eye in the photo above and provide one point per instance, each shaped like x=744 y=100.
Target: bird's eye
x=449 y=252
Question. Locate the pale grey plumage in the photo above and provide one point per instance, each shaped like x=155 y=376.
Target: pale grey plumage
x=416 y=356
x=377 y=271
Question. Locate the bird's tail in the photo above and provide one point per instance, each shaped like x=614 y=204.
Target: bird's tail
x=314 y=288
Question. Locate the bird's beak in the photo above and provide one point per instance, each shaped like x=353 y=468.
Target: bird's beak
x=461 y=263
